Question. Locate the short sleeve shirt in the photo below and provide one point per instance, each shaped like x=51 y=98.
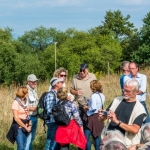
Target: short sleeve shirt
x=21 y=112
x=124 y=115
x=83 y=85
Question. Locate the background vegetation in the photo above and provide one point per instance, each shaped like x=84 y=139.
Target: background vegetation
x=102 y=47
x=115 y=40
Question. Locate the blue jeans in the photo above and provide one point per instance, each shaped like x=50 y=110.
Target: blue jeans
x=50 y=143
x=21 y=139
x=88 y=133
x=32 y=134
x=147 y=118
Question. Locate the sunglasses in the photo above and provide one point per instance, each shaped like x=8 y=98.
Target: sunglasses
x=61 y=75
x=82 y=70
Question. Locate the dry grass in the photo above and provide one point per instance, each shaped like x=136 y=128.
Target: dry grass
x=111 y=89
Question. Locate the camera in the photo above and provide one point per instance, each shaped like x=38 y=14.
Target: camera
x=105 y=113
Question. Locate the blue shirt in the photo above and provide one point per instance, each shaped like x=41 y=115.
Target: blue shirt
x=50 y=100
x=95 y=103
x=142 y=79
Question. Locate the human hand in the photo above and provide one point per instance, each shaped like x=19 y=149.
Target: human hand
x=28 y=128
x=79 y=92
x=132 y=147
x=101 y=116
x=85 y=107
x=112 y=116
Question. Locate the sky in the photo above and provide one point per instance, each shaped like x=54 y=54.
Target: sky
x=26 y=15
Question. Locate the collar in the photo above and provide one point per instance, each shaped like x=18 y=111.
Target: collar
x=29 y=88
x=89 y=76
x=137 y=76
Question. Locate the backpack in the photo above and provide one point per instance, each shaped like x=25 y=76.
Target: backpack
x=59 y=114
x=41 y=111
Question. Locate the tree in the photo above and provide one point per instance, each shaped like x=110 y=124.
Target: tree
x=142 y=55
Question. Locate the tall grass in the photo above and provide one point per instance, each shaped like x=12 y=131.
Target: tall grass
x=111 y=89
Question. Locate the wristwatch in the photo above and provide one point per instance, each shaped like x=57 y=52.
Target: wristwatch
x=119 y=123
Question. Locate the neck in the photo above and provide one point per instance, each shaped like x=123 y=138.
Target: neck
x=131 y=99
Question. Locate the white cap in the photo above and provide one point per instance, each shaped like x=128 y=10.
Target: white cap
x=32 y=78
x=55 y=80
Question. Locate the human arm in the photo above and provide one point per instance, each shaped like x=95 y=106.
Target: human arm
x=134 y=128
x=32 y=108
x=75 y=114
x=135 y=147
x=49 y=100
x=143 y=83
x=19 y=122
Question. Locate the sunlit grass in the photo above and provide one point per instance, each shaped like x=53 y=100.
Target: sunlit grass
x=111 y=89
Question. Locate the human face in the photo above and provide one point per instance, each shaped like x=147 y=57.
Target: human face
x=63 y=75
x=129 y=93
x=133 y=69
x=32 y=84
x=59 y=84
x=83 y=73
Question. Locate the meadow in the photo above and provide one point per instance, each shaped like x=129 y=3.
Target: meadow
x=111 y=89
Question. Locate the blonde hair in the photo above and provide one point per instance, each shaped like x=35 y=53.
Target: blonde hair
x=59 y=71
x=21 y=91
x=62 y=93
x=96 y=86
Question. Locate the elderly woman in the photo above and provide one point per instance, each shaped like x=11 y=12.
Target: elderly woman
x=73 y=133
x=21 y=125
x=93 y=126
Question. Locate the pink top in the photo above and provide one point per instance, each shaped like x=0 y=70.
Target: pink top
x=21 y=112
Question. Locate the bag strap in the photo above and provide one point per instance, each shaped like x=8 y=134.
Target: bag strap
x=101 y=100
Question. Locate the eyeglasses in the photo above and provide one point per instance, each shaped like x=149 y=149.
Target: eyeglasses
x=61 y=75
x=82 y=70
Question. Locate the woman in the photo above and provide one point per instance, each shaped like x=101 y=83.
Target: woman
x=21 y=125
x=62 y=73
x=73 y=133
x=93 y=126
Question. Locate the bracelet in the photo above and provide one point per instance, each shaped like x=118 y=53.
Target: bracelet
x=119 y=123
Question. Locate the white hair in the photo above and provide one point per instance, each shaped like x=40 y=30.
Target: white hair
x=115 y=135
x=145 y=133
x=114 y=145
x=132 y=82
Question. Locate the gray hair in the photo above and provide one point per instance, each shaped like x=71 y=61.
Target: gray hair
x=114 y=145
x=114 y=135
x=124 y=64
x=145 y=133
x=132 y=82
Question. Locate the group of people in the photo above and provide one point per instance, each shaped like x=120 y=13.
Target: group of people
x=124 y=117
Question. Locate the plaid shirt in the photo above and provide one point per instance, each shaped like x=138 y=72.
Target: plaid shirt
x=72 y=111
x=32 y=99
x=50 y=100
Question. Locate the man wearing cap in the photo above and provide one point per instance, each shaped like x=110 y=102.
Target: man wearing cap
x=50 y=101
x=80 y=87
x=32 y=100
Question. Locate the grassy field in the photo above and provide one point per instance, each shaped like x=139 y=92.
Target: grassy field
x=111 y=89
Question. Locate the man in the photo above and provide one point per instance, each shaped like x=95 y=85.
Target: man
x=142 y=79
x=80 y=86
x=125 y=70
x=126 y=114
x=50 y=100
x=32 y=100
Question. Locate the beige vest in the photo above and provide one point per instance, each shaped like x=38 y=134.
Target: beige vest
x=130 y=138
